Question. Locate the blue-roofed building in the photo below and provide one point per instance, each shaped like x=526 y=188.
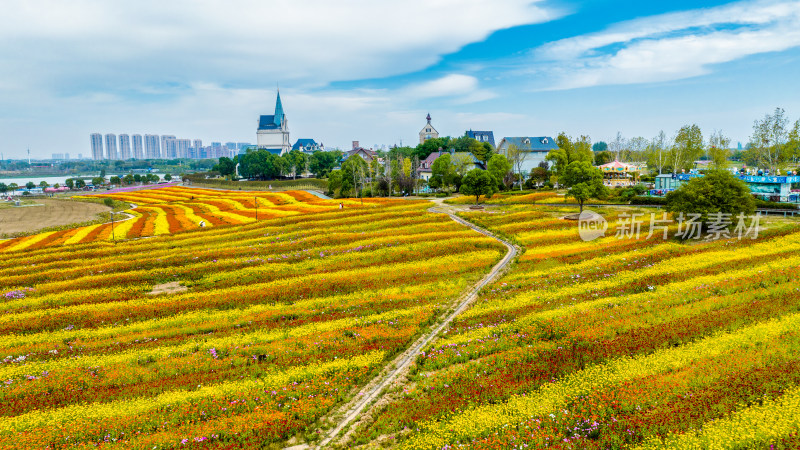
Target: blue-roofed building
x=482 y=136
x=534 y=149
x=273 y=130
x=308 y=146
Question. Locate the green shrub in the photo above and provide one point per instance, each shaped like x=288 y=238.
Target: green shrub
x=300 y=183
x=718 y=191
x=643 y=200
x=764 y=204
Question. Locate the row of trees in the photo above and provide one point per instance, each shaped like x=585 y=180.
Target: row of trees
x=80 y=183
x=774 y=144
x=264 y=165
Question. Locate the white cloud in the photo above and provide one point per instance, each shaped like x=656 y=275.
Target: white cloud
x=71 y=68
x=461 y=88
x=241 y=41
x=672 y=46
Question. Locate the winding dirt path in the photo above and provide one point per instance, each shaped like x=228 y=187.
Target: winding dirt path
x=403 y=362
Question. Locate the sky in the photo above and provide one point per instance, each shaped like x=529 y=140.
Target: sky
x=371 y=70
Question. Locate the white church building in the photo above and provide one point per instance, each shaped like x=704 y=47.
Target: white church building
x=273 y=131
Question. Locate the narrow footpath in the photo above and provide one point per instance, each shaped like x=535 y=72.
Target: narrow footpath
x=375 y=389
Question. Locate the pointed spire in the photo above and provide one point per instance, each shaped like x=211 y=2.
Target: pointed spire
x=278 y=110
x=429 y=117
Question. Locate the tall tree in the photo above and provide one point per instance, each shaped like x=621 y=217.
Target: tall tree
x=375 y=174
x=719 y=149
x=517 y=157
x=637 y=148
x=498 y=166
x=570 y=151
x=441 y=172
x=618 y=145
x=793 y=146
x=656 y=153
x=583 y=180
x=354 y=171
x=688 y=147
x=769 y=139
x=295 y=161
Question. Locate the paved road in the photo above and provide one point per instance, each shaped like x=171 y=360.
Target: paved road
x=375 y=388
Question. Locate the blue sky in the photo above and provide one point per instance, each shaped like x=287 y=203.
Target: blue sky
x=371 y=70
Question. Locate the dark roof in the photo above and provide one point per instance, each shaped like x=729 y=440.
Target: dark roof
x=274 y=121
x=478 y=134
x=267 y=123
x=358 y=149
x=303 y=143
x=533 y=143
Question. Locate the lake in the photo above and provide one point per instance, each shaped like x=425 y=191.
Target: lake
x=60 y=179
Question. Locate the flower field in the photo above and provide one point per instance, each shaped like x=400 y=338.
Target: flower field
x=175 y=209
x=241 y=334
x=613 y=343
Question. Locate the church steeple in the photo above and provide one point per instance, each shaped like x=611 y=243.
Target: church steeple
x=278 y=110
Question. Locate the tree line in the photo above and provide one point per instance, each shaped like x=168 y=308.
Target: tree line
x=774 y=144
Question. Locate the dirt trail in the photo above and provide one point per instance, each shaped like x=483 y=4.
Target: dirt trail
x=403 y=362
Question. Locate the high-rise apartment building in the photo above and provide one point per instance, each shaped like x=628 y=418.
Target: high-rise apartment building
x=124 y=147
x=111 y=146
x=168 y=146
x=164 y=139
x=152 y=146
x=138 y=152
x=97 y=146
x=182 y=148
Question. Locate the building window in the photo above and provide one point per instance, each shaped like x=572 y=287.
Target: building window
x=428 y=130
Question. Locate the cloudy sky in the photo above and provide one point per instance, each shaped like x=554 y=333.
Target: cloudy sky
x=370 y=70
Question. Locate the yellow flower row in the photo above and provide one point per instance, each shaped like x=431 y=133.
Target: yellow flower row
x=782 y=246
x=484 y=256
x=593 y=263
x=751 y=427
x=10 y=371
x=675 y=290
x=143 y=405
x=477 y=421
x=221 y=318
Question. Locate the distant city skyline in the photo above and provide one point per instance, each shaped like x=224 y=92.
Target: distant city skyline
x=516 y=67
x=167 y=146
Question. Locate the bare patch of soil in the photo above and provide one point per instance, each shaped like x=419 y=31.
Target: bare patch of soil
x=173 y=287
x=47 y=213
